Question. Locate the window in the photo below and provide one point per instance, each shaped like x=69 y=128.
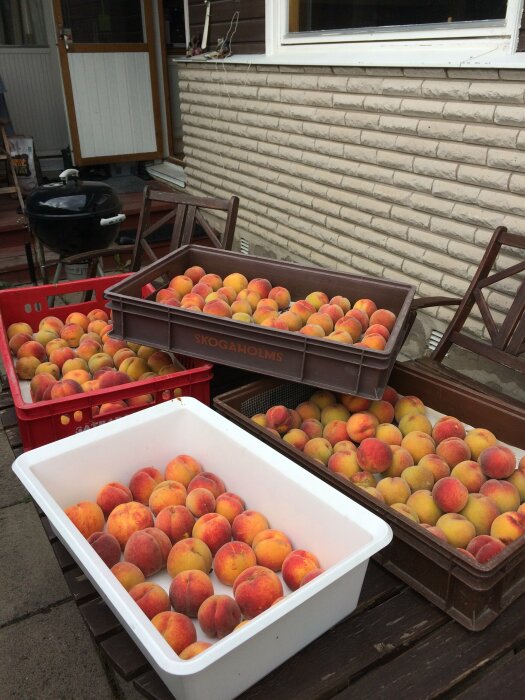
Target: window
x=440 y=33
x=22 y=23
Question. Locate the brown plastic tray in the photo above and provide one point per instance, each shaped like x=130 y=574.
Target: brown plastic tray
x=272 y=352
x=472 y=594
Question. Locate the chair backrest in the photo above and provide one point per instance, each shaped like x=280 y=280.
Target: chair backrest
x=507 y=341
x=187 y=211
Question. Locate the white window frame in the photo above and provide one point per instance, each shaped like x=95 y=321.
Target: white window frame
x=486 y=43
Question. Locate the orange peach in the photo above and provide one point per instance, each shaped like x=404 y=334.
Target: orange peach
x=437 y=466
x=167 y=493
x=39 y=385
x=317 y=299
x=401 y=459
x=148 y=549
x=374 y=341
x=304 y=309
x=207 y=480
x=406 y=511
x=361 y=316
x=293 y=321
x=279 y=418
x=217 y=307
x=504 y=494
x=236 y=280
x=333 y=310
x=189 y=553
x=271 y=547
x=195 y=273
x=266 y=314
x=97 y=361
x=219 y=615
x=418 y=444
x=425 y=507
x=77 y=375
x=134 y=367
x=78 y=318
x=415 y=421
x=393 y=489
x=112 y=378
x=97 y=315
x=212 y=280
x=281 y=295
x=508 y=527
x=87 y=517
x=32 y=349
x=203 y=290
x=97 y=327
x=366 y=305
x=323 y=320
x=200 y=501
x=111 y=407
x=19 y=327
x=318 y=448
x=334 y=432
x=341 y=301
x=231 y=559
x=478 y=440
x=151 y=598
x=517 y=478
x=188 y=591
x=447 y=427
x=177 y=629
x=18 y=339
x=340 y=336
x=241 y=306
x=389 y=433
x=182 y=284
x=61 y=389
x=260 y=285
x=127 y=574
x=450 y=494
x=176 y=521
x=382 y=410
x=111 y=495
x=344 y=463
x=183 y=468
x=384 y=317
x=229 y=293
x=345 y=446
x=351 y=325
x=90 y=347
x=72 y=333
x=457 y=529
x=247 y=524
x=470 y=474
x=143 y=482
x=111 y=345
x=361 y=426
x=312 y=427
x=406 y=405
x=255 y=590
x=296 y=437
x=418 y=477
x=497 y=462
x=230 y=505
x=481 y=511
x=127 y=518
x=378 y=329
x=453 y=450
x=484 y=548
x=296 y=565
x=194 y=649
x=213 y=529
x=51 y=323
x=355 y=404
x=374 y=456
x=192 y=301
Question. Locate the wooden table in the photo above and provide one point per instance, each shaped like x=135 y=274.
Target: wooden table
x=395 y=645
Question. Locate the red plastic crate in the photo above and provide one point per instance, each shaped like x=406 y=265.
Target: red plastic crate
x=46 y=421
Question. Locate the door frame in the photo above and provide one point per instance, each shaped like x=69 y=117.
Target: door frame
x=147 y=9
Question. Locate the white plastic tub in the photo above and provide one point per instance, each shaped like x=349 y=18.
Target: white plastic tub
x=342 y=534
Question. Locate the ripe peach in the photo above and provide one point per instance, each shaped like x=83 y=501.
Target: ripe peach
x=281 y=295
x=418 y=444
x=192 y=300
x=390 y=395
x=182 y=284
x=312 y=427
x=177 y=629
x=213 y=280
x=188 y=590
x=458 y=530
x=424 y=505
x=450 y=494
x=340 y=336
x=183 y=468
x=343 y=302
x=366 y=305
x=265 y=314
x=384 y=317
x=106 y=546
x=497 y=462
x=39 y=385
x=230 y=505
x=96 y=361
x=323 y=320
x=406 y=405
x=219 y=615
x=127 y=518
x=453 y=450
x=189 y=553
x=18 y=339
x=111 y=495
x=401 y=459
x=279 y=418
x=344 y=463
x=195 y=273
x=90 y=347
x=355 y=404
x=418 y=477
x=151 y=598
x=334 y=411
x=304 y=309
x=260 y=285
x=111 y=407
x=478 y=440
x=437 y=466
x=271 y=547
x=213 y=529
x=296 y=565
x=415 y=421
x=374 y=456
x=97 y=315
x=143 y=482
x=32 y=349
x=112 y=378
x=363 y=479
x=61 y=389
x=229 y=293
x=334 y=432
x=236 y=280
x=207 y=480
x=361 y=316
x=247 y=524
x=241 y=306
x=127 y=574
x=484 y=548
x=72 y=333
x=44 y=337
x=447 y=427
x=255 y=590
x=167 y=493
x=374 y=341
x=333 y=310
x=194 y=649
x=200 y=501
x=317 y=299
x=51 y=323
x=382 y=410
x=134 y=367
x=111 y=345
x=231 y=559
x=87 y=517
x=393 y=489
x=345 y=446
x=292 y=320
x=373 y=491
x=470 y=474
x=481 y=511
x=241 y=317
x=504 y=494
x=378 y=329
x=517 y=478
x=351 y=325
x=433 y=530
x=19 y=327
x=319 y=449
x=203 y=290
x=323 y=398
x=508 y=527
x=296 y=437
x=217 y=307
x=98 y=327
x=406 y=511
x=48 y=368
x=389 y=433
x=361 y=426
x=144 y=352
x=81 y=376
x=176 y=521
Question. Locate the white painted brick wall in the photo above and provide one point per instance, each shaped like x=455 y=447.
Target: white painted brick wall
x=396 y=173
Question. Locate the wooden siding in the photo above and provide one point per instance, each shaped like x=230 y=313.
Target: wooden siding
x=250 y=33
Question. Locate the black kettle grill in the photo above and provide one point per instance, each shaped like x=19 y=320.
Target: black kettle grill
x=74 y=216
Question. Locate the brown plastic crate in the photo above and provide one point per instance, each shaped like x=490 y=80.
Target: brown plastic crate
x=472 y=594
x=272 y=352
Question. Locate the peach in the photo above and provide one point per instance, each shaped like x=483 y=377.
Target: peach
x=191 y=301
x=39 y=385
x=318 y=448
x=384 y=317
x=229 y=293
x=355 y=404
x=425 y=507
x=61 y=389
x=111 y=407
x=351 y=325
x=406 y=511
x=271 y=547
x=81 y=376
x=296 y=565
x=195 y=273
x=437 y=466
x=51 y=323
x=144 y=352
x=335 y=411
x=176 y=521
x=207 y=480
x=313 y=428
x=106 y=546
x=340 y=336
x=279 y=418
x=484 y=548
x=212 y=280
x=203 y=290
x=366 y=305
x=213 y=529
x=447 y=427
x=418 y=477
x=342 y=302
x=323 y=320
x=72 y=333
x=335 y=431
x=363 y=479
x=142 y=400
x=88 y=348
x=19 y=327
x=374 y=341
x=418 y=444
x=393 y=489
x=317 y=299
x=450 y=494
x=97 y=327
x=189 y=553
x=167 y=493
x=304 y=309
x=241 y=306
x=293 y=321
x=497 y=462
x=481 y=511
x=112 y=378
x=255 y=590
x=134 y=367
x=415 y=421
x=504 y=494
x=194 y=649
x=111 y=495
x=260 y=285
x=401 y=459
x=281 y=295
x=361 y=316
x=373 y=491
x=470 y=474
x=508 y=527
x=119 y=356
x=97 y=315
x=183 y=468
x=361 y=425
x=323 y=398
x=219 y=615
x=247 y=524
x=78 y=318
x=18 y=339
x=127 y=518
x=406 y=405
x=457 y=529
x=32 y=349
x=453 y=450
x=377 y=329
x=333 y=310
x=389 y=433
x=344 y=463
x=143 y=482
x=230 y=505
x=87 y=517
x=44 y=337
x=200 y=501
x=48 y=368
x=97 y=361
x=127 y=574
x=217 y=307
x=478 y=440
x=432 y=529
x=297 y=438
x=265 y=314
x=188 y=591
x=151 y=598
x=242 y=317
x=382 y=410
x=517 y=478
x=236 y=280
x=231 y=559
x=182 y=284
x=104 y=333
x=111 y=346
x=374 y=456
x=177 y=629
x=345 y=446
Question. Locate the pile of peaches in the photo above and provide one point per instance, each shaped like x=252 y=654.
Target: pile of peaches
x=186 y=521
x=257 y=301
x=464 y=488
x=61 y=359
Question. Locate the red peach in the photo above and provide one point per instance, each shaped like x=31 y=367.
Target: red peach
x=213 y=529
x=374 y=456
x=343 y=302
x=361 y=426
x=87 y=517
x=450 y=494
x=247 y=524
x=32 y=349
x=281 y=295
x=260 y=285
x=188 y=591
x=207 y=480
x=279 y=418
x=378 y=329
x=296 y=565
x=255 y=590
x=384 y=317
x=334 y=432
x=17 y=340
x=351 y=325
x=304 y=309
x=127 y=574
x=230 y=505
x=143 y=482
x=374 y=341
x=231 y=560
x=217 y=307
x=176 y=521
x=106 y=546
x=333 y=310
x=151 y=598
x=447 y=427
x=200 y=501
x=127 y=518
x=112 y=495
x=219 y=615
x=453 y=450
x=183 y=468
x=359 y=315
x=484 y=548
x=195 y=273
x=366 y=305
x=390 y=395
x=39 y=385
x=312 y=427
x=497 y=462
x=177 y=629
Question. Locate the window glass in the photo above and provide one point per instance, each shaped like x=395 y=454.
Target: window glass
x=103 y=21
x=22 y=23
x=317 y=15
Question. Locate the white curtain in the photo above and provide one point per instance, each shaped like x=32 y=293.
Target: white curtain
x=22 y=23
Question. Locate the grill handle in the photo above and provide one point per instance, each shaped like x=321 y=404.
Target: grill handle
x=119 y=218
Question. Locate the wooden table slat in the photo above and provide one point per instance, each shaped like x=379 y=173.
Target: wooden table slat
x=150 y=685
x=8 y=417
x=125 y=656
x=79 y=585
x=488 y=685
x=99 y=619
x=64 y=558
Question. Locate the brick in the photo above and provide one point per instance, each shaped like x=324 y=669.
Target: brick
x=512 y=116
x=373 y=206
x=402 y=86
x=357 y=184
x=422 y=272
x=363 y=120
x=392 y=194
x=402 y=248
x=446 y=89
x=425 y=72
x=304 y=81
x=366 y=84
x=331 y=148
x=401 y=125
x=491 y=136
x=340 y=225
x=335 y=83
x=325 y=207
x=468 y=252
x=384 y=71
x=485 y=177
x=422 y=107
x=462 y=152
x=379 y=103
x=375 y=173
x=329 y=116
x=348 y=70
x=477 y=216
x=449 y=264
x=410 y=216
x=497 y=92
x=360 y=218
x=312 y=98
x=391 y=228
x=511 y=74
x=509 y=203
x=313 y=188
x=432 y=205
x=452 y=228
x=521 y=140
x=508 y=160
x=269 y=94
x=348 y=101
x=419 y=146
x=435 y=168
x=517 y=183
x=473 y=73
x=453 y=191
x=360 y=153
x=410 y=181
x=421 y=238
x=315 y=129
x=393 y=160
x=440 y=130
x=345 y=134
x=378 y=139
x=472 y=112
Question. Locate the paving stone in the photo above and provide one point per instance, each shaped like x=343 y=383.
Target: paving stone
x=11 y=489
x=30 y=578
x=51 y=655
